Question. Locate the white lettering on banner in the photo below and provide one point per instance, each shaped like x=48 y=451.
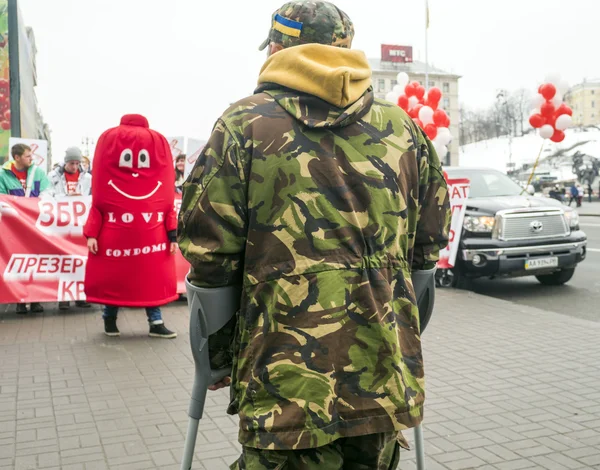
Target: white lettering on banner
x=69 y=291
x=63 y=216
x=458 y=191
x=116 y=253
x=24 y=267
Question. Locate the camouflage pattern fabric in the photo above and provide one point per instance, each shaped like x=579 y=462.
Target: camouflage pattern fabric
x=320 y=213
x=373 y=452
x=322 y=23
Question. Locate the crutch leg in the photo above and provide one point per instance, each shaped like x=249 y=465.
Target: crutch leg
x=190 y=444
x=419 y=448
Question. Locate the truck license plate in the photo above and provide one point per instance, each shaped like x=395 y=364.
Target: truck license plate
x=541 y=263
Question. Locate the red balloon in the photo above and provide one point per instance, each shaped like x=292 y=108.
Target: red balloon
x=548 y=91
x=440 y=118
x=551 y=120
x=431 y=131
x=564 y=109
x=420 y=92
x=540 y=89
x=558 y=136
x=418 y=122
x=416 y=110
x=547 y=110
x=403 y=102
x=537 y=121
x=432 y=105
x=447 y=122
x=409 y=90
x=434 y=95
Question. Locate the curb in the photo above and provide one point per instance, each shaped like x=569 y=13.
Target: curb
x=589 y=215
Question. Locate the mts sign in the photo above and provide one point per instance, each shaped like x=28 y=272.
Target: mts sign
x=399 y=54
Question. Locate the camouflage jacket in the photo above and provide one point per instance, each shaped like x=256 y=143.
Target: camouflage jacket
x=320 y=213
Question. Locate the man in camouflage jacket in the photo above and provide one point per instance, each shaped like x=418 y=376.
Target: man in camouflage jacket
x=319 y=200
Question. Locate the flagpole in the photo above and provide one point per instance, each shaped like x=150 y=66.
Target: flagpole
x=426 y=45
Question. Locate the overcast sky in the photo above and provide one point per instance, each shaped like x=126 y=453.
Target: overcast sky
x=181 y=62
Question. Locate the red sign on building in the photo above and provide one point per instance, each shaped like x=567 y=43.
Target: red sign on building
x=399 y=54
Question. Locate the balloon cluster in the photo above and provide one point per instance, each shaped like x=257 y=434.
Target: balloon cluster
x=424 y=108
x=551 y=115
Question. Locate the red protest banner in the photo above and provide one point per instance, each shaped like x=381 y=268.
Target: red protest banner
x=43 y=251
x=458 y=189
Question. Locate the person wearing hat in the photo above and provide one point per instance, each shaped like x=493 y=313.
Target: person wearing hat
x=318 y=200
x=71 y=179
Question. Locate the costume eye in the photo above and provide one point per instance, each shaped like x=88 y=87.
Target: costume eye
x=144 y=159
x=126 y=159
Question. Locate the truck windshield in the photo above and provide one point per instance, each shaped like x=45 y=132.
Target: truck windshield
x=486 y=183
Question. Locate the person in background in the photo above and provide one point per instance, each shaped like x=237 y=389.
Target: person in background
x=590 y=191
x=556 y=194
x=20 y=177
x=574 y=193
x=179 y=172
x=70 y=179
x=580 y=194
x=86 y=165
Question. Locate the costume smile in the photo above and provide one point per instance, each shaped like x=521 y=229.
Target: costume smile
x=137 y=198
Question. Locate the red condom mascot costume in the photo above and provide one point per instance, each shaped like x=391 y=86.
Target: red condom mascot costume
x=131 y=228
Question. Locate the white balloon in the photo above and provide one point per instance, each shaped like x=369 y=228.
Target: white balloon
x=557 y=100
x=537 y=101
x=441 y=150
x=553 y=78
x=444 y=135
x=563 y=87
x=426 y=115
x=412 y=102
x=403 y=79
x=563 y=122
x=546 y=131
x=399 y=90
x=392 y=97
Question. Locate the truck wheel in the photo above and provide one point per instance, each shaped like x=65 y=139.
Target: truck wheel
x=451 y=278
x=558 y=278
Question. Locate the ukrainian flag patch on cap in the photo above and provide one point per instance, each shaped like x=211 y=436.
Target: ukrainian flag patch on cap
x=285 y=26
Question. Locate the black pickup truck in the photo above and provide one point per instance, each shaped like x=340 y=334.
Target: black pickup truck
x=507 y=232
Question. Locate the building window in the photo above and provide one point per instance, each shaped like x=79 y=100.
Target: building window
x=446 y=103
x=446 y=87
x=431 y=84
x=593 y=104
x=593 y=92
x=381 y=84
x=394 y=83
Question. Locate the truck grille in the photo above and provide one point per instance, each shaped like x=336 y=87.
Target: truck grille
x=533 y=225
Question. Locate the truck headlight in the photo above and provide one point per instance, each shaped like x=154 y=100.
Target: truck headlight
x=572 y=218
x=479 y=224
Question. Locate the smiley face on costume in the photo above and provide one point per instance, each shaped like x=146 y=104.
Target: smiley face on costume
x=134 y=163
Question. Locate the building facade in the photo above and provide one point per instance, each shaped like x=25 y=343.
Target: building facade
x=384 y=80
x=584 y=100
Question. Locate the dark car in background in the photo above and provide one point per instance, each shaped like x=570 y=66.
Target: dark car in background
x=510 y=233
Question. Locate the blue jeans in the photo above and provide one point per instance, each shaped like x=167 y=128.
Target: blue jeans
x=154 y=314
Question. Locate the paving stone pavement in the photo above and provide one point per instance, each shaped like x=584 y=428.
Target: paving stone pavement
x=509 y=388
